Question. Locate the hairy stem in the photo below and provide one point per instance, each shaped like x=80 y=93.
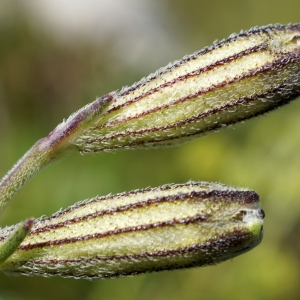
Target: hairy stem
x=50 y=148
x=30 y=164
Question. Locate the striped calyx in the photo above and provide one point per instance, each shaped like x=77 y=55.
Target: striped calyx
x=171 y=227
x=246 y=75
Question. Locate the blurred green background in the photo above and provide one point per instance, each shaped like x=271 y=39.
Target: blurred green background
x=56 y=56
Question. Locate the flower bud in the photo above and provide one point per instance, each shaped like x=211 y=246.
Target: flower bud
x=170 y=227
x=246 y=75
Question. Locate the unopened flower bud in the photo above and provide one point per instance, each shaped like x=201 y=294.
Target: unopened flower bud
x=244 y=76
x=171 y=227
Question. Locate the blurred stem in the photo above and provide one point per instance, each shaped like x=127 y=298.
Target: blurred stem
x=57 y=144
x=28 y=166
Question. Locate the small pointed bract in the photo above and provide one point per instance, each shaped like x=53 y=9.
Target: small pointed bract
x=14 y=239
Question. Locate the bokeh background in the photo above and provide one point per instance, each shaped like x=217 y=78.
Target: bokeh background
x=56 y=56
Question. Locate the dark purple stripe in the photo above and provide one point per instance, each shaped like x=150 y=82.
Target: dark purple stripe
x=253 y=31
x=243 y=197
x=189 y=75
x=207 y=113
x=142 y=227
x=226 y=242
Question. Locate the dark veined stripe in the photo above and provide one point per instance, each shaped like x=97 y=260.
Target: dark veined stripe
x=198 y=72
x=139 y=262
x=193 y=119
x=141 y=227
x=203 y=246
x=209 y=246
x=245 y=197
x=216 y=45
x=251 y=73
x=254 y=72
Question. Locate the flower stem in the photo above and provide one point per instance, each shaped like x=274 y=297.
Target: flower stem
x=57 y=144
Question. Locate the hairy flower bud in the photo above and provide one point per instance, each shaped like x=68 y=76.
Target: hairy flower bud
x=171 y=227
x=246 y=75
